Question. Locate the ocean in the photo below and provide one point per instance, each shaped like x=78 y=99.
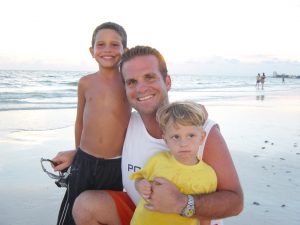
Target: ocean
x=28 y=96
x=28 y=90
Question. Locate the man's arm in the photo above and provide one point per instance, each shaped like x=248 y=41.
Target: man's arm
x=226 y=201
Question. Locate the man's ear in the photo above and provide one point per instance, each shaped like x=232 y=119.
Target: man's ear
x=168 y=82
x=92 y=51
x=203 y=135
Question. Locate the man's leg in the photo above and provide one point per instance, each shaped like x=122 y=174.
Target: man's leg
x=95 y=207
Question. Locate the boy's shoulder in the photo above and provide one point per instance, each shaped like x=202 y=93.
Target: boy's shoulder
x=88 y=77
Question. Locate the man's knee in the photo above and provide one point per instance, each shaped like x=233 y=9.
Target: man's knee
x=81 y=207
x=89 y=204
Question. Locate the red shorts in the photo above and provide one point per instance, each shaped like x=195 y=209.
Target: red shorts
x=124 y=205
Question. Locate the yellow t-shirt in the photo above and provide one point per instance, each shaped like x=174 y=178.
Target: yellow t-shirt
x=195 y=179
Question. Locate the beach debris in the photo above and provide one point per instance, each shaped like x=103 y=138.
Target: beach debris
x=268 y=185
x=282 y=158
x=272 y=143
x=266 y=141
x=287 y=171
x=255 y=156
x=283 y=205
x=263 y=147
x=297 y=153
x=256 y=203
x=295 y=145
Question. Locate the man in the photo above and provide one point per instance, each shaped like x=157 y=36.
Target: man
x=147 y=84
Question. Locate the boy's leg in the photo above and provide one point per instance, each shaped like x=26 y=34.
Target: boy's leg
x=103 y=207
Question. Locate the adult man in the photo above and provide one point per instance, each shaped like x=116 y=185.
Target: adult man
x=147 y=84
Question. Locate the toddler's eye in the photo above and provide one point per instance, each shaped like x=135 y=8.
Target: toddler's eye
x=191 y=135
x=175 y=137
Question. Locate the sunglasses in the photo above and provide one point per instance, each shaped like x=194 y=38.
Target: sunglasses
x=61 y=178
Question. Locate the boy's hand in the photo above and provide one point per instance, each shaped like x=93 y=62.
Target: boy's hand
x=63 y=160
x=144 y=188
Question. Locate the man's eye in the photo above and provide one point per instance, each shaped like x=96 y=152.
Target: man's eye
x=150 y=77
x=191 y=135
x=130 y=83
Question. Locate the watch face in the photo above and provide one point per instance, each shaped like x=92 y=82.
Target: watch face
x=189 y=212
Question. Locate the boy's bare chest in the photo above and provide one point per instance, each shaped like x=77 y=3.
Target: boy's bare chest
x=100 y=93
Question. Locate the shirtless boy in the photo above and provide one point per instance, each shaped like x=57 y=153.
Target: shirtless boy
x=102 y=117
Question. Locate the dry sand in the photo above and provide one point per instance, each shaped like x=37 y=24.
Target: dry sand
x=263 y=136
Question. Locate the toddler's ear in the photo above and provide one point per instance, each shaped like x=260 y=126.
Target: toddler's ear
x=164 y=137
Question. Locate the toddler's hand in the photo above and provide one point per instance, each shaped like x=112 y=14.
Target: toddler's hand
x=144 y=188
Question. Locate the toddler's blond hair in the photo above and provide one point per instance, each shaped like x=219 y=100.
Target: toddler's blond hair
x=181 y=112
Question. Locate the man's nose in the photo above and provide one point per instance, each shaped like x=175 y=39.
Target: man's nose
x=141 y=87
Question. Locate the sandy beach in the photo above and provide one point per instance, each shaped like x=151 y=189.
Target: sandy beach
x=263 y=136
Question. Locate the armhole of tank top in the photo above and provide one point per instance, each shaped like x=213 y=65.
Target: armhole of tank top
x=207 y=127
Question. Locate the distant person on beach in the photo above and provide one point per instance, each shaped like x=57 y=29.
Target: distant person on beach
x=262 y=80
x=283 y=81
x=103 y=114
x=257 y=80
x=147 y=84
x=182 y=127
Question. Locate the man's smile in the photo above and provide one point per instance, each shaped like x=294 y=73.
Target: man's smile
x=145 y=98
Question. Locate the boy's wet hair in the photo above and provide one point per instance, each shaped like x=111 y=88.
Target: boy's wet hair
x=112 y=26
x=144 y=51
x=185 y=113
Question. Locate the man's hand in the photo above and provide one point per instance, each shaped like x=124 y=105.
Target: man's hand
x=63 y=160
x=165 y=197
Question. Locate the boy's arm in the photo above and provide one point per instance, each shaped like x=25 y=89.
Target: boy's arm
x=79 y=114
x=64 y=159
x=226 y=201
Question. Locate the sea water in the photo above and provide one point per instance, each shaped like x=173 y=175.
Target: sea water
x=44 y=94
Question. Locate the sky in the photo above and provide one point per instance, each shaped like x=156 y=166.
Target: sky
x=195 y=36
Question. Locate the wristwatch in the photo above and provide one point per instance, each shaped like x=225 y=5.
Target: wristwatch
x=189 y=209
